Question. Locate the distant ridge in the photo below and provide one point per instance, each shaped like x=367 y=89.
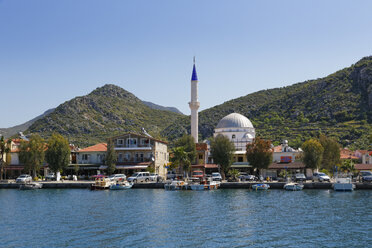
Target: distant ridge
x=156 y=106
x=8 y=132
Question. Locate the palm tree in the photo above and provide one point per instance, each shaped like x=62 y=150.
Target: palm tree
x=4 y=149
x=181 y=160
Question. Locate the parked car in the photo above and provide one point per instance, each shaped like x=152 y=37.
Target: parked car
x=365 y=176
x=139 y=177
x=118 y=177
x=243 y=176
x=299 y=177
x=197 y=174
x=156 y=177
x=171 y=175
x=216 y=176
x=50 y=176
x=24 y=178
x=321 y=177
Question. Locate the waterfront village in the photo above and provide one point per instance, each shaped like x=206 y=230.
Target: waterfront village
x=137 y=153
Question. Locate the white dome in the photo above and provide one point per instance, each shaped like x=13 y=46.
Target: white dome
x=234 y=120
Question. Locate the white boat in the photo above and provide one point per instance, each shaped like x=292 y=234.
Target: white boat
x=205 y=185
x=176 y=185
x=27 y=186
x=293 y=186
x=121 y=186
x=260 y=186
x=343 y=184
x=101 y=183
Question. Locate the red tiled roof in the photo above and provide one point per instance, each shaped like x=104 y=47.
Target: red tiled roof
x=101 y=147
x=347 y=154
x=293 y=165
x=201 y=146
x=363 y=166
x=362 y=151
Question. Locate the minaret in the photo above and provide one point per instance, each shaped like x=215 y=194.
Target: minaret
x=194 y=104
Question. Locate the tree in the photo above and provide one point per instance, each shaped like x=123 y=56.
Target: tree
x=4 y=150
x=259 y=153
x=180 y=160
x=348 y=166
x=312 y=153
x=32 y=153
x=58 y=153
x=111 y=157
x=188 y=144
x=222 y=151
x=331 y=153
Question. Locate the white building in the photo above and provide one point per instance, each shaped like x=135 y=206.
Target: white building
x=240 y=131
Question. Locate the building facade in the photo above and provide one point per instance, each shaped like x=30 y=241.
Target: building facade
x=138 y=152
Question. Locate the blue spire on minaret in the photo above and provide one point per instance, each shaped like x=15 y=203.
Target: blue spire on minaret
x=194 y=77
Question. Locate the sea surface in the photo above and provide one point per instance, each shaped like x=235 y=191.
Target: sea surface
x=159 y=218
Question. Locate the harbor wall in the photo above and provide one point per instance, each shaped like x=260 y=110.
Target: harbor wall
x=227 y=185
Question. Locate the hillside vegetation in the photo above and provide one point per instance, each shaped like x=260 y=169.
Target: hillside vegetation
x=339 y=105
x=105 y=112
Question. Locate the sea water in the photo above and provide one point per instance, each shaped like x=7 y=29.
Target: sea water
x=159 y=218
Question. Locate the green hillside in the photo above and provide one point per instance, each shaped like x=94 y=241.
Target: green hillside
x=105 y=112
x=339 y=105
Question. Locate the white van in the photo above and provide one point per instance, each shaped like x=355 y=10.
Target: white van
x=140 y=177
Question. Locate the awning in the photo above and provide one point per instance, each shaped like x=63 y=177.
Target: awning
x=207 y=166
x=241 y=165
x=293 y=165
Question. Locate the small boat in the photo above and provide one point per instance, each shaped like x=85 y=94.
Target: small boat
x=27 y=186
x=101 y=183
x=260 y=186
x=176 y=185
x=121 y=186
x=205 y=185
x=343 y=184
x=293 y=186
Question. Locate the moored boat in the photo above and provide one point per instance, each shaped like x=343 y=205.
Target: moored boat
x=205 y=185
x=101 y=183
x=176 y=185
x=343 y=184
x=121 y=186
x=27 y=186
x=260 y=186
x=293 y=186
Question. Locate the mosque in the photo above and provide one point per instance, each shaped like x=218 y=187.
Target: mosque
x=236 y=127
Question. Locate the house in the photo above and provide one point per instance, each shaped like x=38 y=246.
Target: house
x=203 y=159
x=137 y=152
x=366 y=161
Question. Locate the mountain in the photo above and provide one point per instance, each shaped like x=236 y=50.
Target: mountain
x=105 y=112
x=339 y=105
x=156 y=106
x=8 y=132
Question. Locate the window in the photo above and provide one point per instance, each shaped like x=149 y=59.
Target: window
x=200 y=156
x=233 y=136
x=120 y=142
x=127 y=156
x=100 y=158
x=85 y=157
x=132 y=142
x=120 y=157
x=240 y=159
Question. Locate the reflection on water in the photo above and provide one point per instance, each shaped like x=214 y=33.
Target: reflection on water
x=158 y=218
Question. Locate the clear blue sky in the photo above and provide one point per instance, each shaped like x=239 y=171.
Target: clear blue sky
x=52 y=50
